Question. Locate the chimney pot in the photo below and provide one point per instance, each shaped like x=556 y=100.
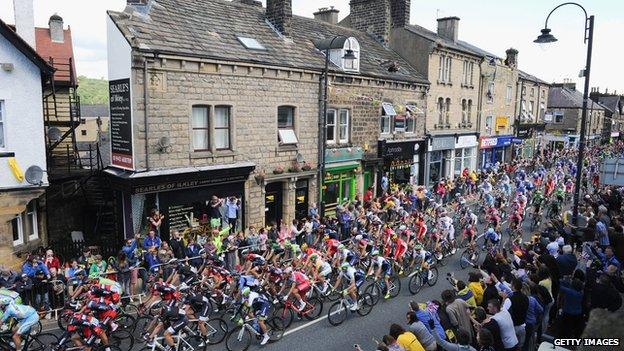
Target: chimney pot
x=257 y=3
x=448 y=28
x=329 y=15
x=25 y=20
x=279 y=14
x=512 y=58
x=56 y=28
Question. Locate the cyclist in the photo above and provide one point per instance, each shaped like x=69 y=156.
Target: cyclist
x=356 y=278
x=492 y=236
x=88 y=326
x=259 y=306
x=383 y=268
x=25 y=316
x=173 y=319
x=423 y=258
x=400 y=247
x=320 y=270
x=299 y=286
x=197 y=306
x=538 y=200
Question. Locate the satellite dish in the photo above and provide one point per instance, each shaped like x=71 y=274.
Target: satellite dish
x=300 y=158
x=34 y=175
x=54 y=134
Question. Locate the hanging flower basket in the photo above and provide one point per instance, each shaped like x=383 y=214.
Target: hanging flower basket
x=306 y=167
x=278 y=170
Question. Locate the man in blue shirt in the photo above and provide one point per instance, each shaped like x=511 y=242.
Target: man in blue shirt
x=151 y=241
x=232 y=206
x=32 y=266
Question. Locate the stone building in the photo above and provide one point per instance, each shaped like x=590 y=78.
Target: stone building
x=22 y=142
x=530 y=110
x=205 y=103
x=614 y=113
x=563 y=118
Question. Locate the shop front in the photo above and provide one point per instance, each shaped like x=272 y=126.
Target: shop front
x=449 y=155
x=495 y=149
x=403 y=161
x=529 y=135
x=181 y=195
x=342 y=172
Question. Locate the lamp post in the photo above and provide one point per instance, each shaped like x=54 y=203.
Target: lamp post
x=326 y=45
x=546 y=38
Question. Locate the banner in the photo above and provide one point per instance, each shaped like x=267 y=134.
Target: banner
x=122 y=153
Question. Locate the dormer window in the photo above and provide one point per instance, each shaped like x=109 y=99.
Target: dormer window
x=346 y=57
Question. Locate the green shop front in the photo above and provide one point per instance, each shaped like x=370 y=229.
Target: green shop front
x=340 y=181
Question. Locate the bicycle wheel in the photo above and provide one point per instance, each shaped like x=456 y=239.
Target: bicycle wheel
x=365 y=302
x=434 y=276
x=239 y=339
x=141 y=326
x=337 y=313
x=285 y=314
x=195 y=341
x=122 y=338
x=108 y=348
x=315 y=308
x=276 y=330
x=131 y=309
x=42 y=342
x=36 y=329
x=374 y=291
x=334 y=295
x=464 y=260
x=217 y=330
x=415 y=283
x=395 y=286
x=63 y=319
x=126 y=321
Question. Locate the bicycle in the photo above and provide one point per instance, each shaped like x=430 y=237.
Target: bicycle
x=181 y=342
x=30 y=342
x=337 y=313
x=285 y=310
x=470 y=257
x=377 y=287
x=239 y=339
x=421 y=276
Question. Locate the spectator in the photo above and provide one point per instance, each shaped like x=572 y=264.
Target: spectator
x=193 y=251
x=392 y=344
x=604 y=295
x=253 y=239
x=567 y=261
x=98 y=267
x=572 y=309
x=85 y=260
x=489 y=324
x=459 y=312
x=464 y=293
x=155 y=221
x=463 y=343
x=152 y=241
x=177 y=245
x=421 y=331
x=517 y=303
x=34 y=266
x=533 y=317
x=152 y=260
x=8 y=279
x=232 y=207
x=505 y=324
x=406 y=339
x=214 y=211
x=485 y=340
x=476 y=286
x=425 y=315
x=52 y=262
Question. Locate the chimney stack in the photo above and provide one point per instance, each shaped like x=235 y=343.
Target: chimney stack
x=25 y=20
x=400 y=12
x=512 y=58
x=448 y=28
x=137 y=2
x=279 y=14
x=56 y=28
x=329 y=15
x=257 y=3
x=373 y=17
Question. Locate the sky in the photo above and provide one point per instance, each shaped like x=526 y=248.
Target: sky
x=493 y=25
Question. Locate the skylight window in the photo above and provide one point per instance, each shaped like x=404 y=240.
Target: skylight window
x=251 y=43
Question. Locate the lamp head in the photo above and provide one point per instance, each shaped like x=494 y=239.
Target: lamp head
x=349 y=55
x=545 y=37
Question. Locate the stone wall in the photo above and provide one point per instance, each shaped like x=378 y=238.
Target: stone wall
x=503 y=77
x=372 y=16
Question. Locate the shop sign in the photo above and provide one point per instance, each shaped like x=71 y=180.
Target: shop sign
x=343 y=154
x=169 y=186
x=516 y=141
x=442 y=143
x=403 y=150
x=399 y=123
x=491 y=142
x=122 y=154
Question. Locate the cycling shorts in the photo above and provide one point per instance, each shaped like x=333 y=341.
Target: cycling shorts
x=261 y=310
x=325 y=272
x=26 y=323
x=400 y=251
x=176 y=326
x=303 y=287
x=386 y=268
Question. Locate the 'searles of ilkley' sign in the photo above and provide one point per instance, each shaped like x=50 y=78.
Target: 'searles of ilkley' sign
x=122 y=154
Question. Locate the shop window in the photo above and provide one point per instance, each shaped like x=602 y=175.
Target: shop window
x=469 y=110
x=2 y=139
x=222 y=127
x=464 y=110
x=201 y=128
x=440 y=110
x=286 y=125
x=447 y=111
x=30 y=227
x=490 y=92
x=18 y=232
x=331 y=127
x=387 y=117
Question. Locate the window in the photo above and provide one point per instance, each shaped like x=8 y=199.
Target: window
x=410 y=115
x=468 y=72
x=286 y=125
x=351 y=64
x=31 y=227
x=222 y=127
x=447 y=70
x=343 y=130
x=464 y=110
x=471 y=73
x=388 y=113
x=331 y=127
x=508 y=94
x=531 y=110
x=490 y=92
x=448 y=111
x=558 y=116
x=83 y=132
x=463 y=159
x=2 y=140
x=440 y=111
x=18 y=233
x=532 y=92
x=201 y=130
x=251 y=43
x=542 y=111
x=469 y=110
x=488 y=123
x=441 y=69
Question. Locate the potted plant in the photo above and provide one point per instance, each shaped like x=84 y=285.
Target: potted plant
x=294 y=168
x=278 y=170
x=306 y=166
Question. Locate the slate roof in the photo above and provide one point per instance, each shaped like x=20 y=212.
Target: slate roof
x=610 y=102
x=94 y=110
x=9 y=34
x=209 y=29
x=455 y=45
x=565 y=97
x=526 y=76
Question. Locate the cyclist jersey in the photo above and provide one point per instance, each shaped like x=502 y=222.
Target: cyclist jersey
x=18 y=312
x=380 y=261
x=445 y=222
x=247 y=281
x=538 y=200
x=15 y=296
x=472 y=219
x=80 y=320
x=422 y=256
x=196 y=301
x=166 y=291
x=299 y=278
x=354 y=275
x=254 y=299
x=172 y=314
x=493 y=236
x=110 y=284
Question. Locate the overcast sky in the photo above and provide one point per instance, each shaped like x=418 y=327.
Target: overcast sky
x=493 y=25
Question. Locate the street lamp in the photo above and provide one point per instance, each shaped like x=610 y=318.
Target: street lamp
x=326 y=45
x=544 y=38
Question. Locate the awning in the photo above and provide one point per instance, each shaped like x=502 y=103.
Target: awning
x=388 y=109
x=342 y=166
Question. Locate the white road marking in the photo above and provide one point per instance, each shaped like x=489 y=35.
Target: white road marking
x=305 y=325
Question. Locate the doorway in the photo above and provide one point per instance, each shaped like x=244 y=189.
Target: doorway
x=301 y=199
x=273 y=203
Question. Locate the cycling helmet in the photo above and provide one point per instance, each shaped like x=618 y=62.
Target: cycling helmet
x=4 y=301
x=345 y=265
x=375 y=252
x=341 y=247
x=358 y=237
x=313 y=257
x=246 y=291
x=490 y=230
x=418 y=247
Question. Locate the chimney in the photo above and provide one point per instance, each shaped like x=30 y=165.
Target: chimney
x=257 y=3
x=373 y=17
x=400 y=12
x=25 y=20
x=329 y=15
x=56 y=28
x=512 y=58
x=279 y=14
x=448 y=27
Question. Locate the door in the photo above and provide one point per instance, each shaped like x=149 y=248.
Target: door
x=301 y=199
x=273 y=203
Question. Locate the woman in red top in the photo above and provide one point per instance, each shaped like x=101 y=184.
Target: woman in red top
x=52 y=261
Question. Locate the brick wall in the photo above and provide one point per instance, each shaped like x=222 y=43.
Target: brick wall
x=279 y=13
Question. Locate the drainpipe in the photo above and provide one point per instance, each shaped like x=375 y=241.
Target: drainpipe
x=145 y=105
x=480 y=115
